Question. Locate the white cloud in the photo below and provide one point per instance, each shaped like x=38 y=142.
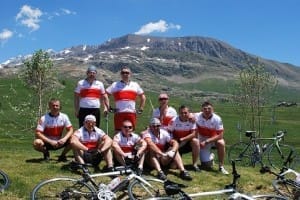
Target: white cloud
x=29 y=17
x=5 y=34
x=159 y=26
x=67 y=11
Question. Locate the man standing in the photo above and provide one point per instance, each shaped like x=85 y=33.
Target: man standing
x=184 y=131
x=125 y=93
x=90 y=144
x=210 y=130
x=49 y=131
x=88 y=97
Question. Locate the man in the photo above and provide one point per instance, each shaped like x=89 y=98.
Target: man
x=125 y=93
x=128 y=145
x=183 y=131
x=90 y=144
x=164 y=112
x=163 y=151
x=88 y=97
x=210 y=130
x=49 y=131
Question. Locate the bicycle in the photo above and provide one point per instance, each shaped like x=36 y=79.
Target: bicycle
x=287 y=182
x=174 y=191
x=86 y=187
x=254 y=150
x=4 y=181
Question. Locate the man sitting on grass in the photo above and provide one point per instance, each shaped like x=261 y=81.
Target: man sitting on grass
x=90 y=144
x=49 y=131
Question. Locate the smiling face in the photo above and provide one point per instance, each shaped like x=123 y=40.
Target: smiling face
x=207 y=110
x=89 y=125
x=125 y=74
x=127 y=127
x=54 y=106
x=184 y=114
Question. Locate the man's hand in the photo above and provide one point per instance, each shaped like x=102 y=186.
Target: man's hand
x=171 y=153
x=139 y=111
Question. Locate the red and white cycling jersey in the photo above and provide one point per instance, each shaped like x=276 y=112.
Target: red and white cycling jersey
x=209 y=127
x=53 y=126
x=180 y=129
x=125 y=95
x=90 y=140
x=164 y=120
x=161 y=141
x=90 y=94
x=127 y=144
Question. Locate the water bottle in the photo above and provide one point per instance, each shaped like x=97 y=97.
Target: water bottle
x=257 y=148
x=114 y=183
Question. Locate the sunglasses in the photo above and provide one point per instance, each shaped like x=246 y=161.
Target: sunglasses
x=156 y=126
x=130 y=127
x=125 y=72
x=163 y=99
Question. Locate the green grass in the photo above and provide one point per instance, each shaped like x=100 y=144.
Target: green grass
x=22 y=163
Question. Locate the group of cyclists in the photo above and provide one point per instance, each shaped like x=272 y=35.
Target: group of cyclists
x=170 y=132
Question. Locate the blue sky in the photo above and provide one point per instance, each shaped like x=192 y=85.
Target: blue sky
x=266 y=28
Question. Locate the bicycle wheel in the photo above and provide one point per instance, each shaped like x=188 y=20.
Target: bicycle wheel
x=276 y=159
x=241 y=151
x=63 y=188
x=139 y=190
x=287 y=188
x=4 y=181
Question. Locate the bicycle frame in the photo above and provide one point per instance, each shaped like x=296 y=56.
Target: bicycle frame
x=255 y=151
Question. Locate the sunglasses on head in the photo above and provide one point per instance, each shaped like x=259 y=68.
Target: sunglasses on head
x=130 y=127
x=125 y=72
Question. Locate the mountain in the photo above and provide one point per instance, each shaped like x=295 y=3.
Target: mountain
x=162 y=63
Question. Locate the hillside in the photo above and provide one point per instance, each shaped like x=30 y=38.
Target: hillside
x=179 y=64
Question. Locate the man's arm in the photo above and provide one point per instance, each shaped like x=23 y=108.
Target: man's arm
x=41 y=136
x=105 y=143
x=142 y=101
x=105 y=102
x=67 y=135
x=153 y=147
x=189 y=136
x=117 y=149
x=174 y=144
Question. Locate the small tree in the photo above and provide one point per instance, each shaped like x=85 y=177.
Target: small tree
x=38 y=75
x=252 y=93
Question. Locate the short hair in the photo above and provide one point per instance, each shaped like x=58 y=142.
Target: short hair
x=182 y=107
x=125 y=67
x=206 y=103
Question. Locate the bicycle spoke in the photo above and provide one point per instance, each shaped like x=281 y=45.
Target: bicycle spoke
x=63 y=188
x=243 y=152
x=287 y=188
x=139 y=190
x=277 y=157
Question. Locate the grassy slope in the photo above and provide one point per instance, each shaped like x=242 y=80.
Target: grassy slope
x=22 y=163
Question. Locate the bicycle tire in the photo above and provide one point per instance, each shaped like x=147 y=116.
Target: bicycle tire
x=287 y=188
x=275 y=159
x=4 y=181
x=63 y=188
x=139 y=190
x=241 y=151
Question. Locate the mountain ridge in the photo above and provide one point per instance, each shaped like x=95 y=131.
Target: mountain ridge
x=178 y=60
